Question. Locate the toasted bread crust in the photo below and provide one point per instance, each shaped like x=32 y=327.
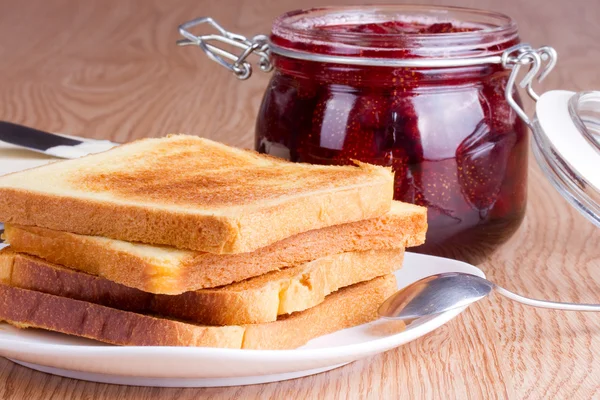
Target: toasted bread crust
x=32 y=273
x=256 y=300
x=182 y=271
x=169 y=205
x=351 y=306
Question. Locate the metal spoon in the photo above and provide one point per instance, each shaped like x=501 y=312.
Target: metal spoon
x=443 y=292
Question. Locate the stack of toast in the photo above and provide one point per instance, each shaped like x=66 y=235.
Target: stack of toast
x=182 y=241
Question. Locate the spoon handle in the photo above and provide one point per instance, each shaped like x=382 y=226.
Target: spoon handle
x=547 y=304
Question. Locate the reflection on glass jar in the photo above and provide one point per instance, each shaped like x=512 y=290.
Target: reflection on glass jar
x=454 y=143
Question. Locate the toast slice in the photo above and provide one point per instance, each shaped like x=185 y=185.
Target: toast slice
x=257 y=300
x=166 y=270
x=348 y=307
x=192 y=193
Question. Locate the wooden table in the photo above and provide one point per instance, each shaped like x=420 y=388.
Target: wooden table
x=110 y=69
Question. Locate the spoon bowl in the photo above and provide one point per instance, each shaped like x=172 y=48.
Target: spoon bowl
x=435 y=294
x=443 y=292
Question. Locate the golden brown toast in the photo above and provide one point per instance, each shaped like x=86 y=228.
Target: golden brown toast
x=166 y=270
x=192 y=193
x=256 y=300
x=348 y=307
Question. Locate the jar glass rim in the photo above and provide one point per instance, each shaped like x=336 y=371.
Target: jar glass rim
x=302 y=28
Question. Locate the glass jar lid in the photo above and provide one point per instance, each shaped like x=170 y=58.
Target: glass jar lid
x=566 y=133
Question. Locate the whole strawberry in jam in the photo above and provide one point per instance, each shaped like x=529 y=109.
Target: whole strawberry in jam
x=380 y=29
x=366 y=129
x=499 y=114
x=441 y=27
x=283 y=119
x=482 y=161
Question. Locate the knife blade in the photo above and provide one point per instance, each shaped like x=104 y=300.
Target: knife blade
x=50 y=143
x=31 y=138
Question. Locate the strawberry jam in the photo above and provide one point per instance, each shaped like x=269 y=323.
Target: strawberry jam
x=454 y=143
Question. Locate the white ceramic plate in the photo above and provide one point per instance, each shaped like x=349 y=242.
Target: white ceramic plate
x=203 y=367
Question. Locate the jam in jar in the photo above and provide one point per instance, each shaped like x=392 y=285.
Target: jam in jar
x=418 y=89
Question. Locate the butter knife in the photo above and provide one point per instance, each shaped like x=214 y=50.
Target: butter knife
x=49 y=143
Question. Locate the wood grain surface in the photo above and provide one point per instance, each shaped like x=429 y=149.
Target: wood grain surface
x=110 y=69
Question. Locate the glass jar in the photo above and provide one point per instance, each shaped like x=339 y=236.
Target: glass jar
x=420 y=89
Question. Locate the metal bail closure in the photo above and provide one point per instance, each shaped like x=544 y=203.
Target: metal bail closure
x=242 y=69
x=542 y=59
